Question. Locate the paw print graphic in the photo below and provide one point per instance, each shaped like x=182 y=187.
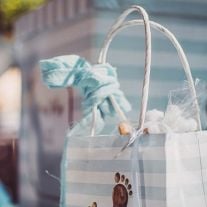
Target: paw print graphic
x=122 y=190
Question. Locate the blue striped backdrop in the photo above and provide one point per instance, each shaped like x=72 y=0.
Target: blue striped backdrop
x=84 y=35
x=127 y=54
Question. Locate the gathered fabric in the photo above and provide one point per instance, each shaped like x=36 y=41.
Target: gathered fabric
x=95 y=82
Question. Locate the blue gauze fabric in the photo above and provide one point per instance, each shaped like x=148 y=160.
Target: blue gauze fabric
x=96 y=83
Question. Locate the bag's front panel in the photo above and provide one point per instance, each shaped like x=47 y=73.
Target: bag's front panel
x=95 y=176
x=152 y=170
x=173 y=170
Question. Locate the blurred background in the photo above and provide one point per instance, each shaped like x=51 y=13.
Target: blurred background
x=34 y=119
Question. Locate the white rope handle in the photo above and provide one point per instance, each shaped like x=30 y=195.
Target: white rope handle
x=181 y=54
x=145 y=90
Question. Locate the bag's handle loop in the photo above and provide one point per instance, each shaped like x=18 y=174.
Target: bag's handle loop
x=145 y=90
x=181 y=54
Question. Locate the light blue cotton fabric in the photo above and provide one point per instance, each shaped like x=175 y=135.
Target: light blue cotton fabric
x=95 y=82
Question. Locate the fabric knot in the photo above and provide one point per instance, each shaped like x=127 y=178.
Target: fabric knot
x=95 y=82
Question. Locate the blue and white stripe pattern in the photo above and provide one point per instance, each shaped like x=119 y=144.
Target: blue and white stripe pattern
x=90 y=169
x=127 y=54
x=172 y=170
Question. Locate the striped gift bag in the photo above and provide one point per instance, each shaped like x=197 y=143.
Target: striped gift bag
x=171 y=171
x=163 y=170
